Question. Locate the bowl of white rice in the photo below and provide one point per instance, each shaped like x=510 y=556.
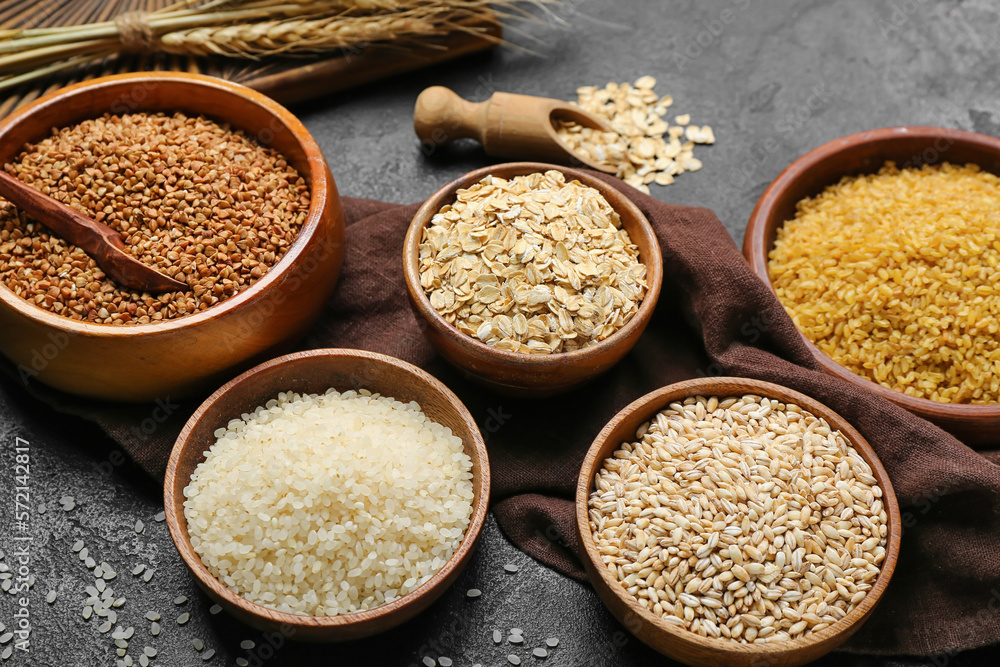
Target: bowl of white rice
x=328 y=494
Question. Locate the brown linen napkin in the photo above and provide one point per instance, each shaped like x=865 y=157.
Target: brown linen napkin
x=715 y=317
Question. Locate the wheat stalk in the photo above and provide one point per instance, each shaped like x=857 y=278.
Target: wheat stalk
x=300 y=36
x=244 y=29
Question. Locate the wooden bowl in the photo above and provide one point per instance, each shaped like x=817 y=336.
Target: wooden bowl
x=532 y=374
x=191 y=354
x=865 y=153
x=679 y=643
x=316 y=371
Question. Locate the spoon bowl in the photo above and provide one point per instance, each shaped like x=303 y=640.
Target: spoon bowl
x=99 y=241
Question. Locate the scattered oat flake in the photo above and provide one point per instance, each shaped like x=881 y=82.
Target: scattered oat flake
x=644 y=148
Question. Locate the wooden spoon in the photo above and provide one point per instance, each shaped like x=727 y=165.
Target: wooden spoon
x=507 y=125
x=99 y=241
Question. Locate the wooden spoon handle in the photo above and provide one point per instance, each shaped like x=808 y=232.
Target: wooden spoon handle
x=78 y=229
x=442 y=116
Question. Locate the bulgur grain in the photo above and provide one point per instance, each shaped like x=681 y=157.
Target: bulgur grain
x=894 y=276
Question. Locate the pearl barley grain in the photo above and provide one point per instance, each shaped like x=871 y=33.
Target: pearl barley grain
x=748 y=508
x=330 y=504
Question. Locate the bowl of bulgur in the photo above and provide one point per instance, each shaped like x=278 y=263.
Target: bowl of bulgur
x=209 y=182
x=729 y=521
x=882 y=247
x=532 y=278
x=328 y=494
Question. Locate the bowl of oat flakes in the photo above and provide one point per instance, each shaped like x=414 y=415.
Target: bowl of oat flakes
x=209 y=182
x=531 y=278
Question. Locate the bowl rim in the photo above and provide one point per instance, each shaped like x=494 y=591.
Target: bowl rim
x=757 y=255
x=483 y=352
x=648 y=405
x=320 y=189
x=182 y=542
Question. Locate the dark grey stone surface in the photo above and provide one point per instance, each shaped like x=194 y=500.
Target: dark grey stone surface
x=774 y=79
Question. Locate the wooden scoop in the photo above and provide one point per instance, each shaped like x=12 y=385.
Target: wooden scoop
x=99 y=241
x=507 y=125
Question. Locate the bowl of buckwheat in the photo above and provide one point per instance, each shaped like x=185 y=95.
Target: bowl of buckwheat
x=210 y=183
x=735 y=522
x=532 y=278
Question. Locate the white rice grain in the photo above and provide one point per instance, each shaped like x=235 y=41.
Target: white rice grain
x=329 y=504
